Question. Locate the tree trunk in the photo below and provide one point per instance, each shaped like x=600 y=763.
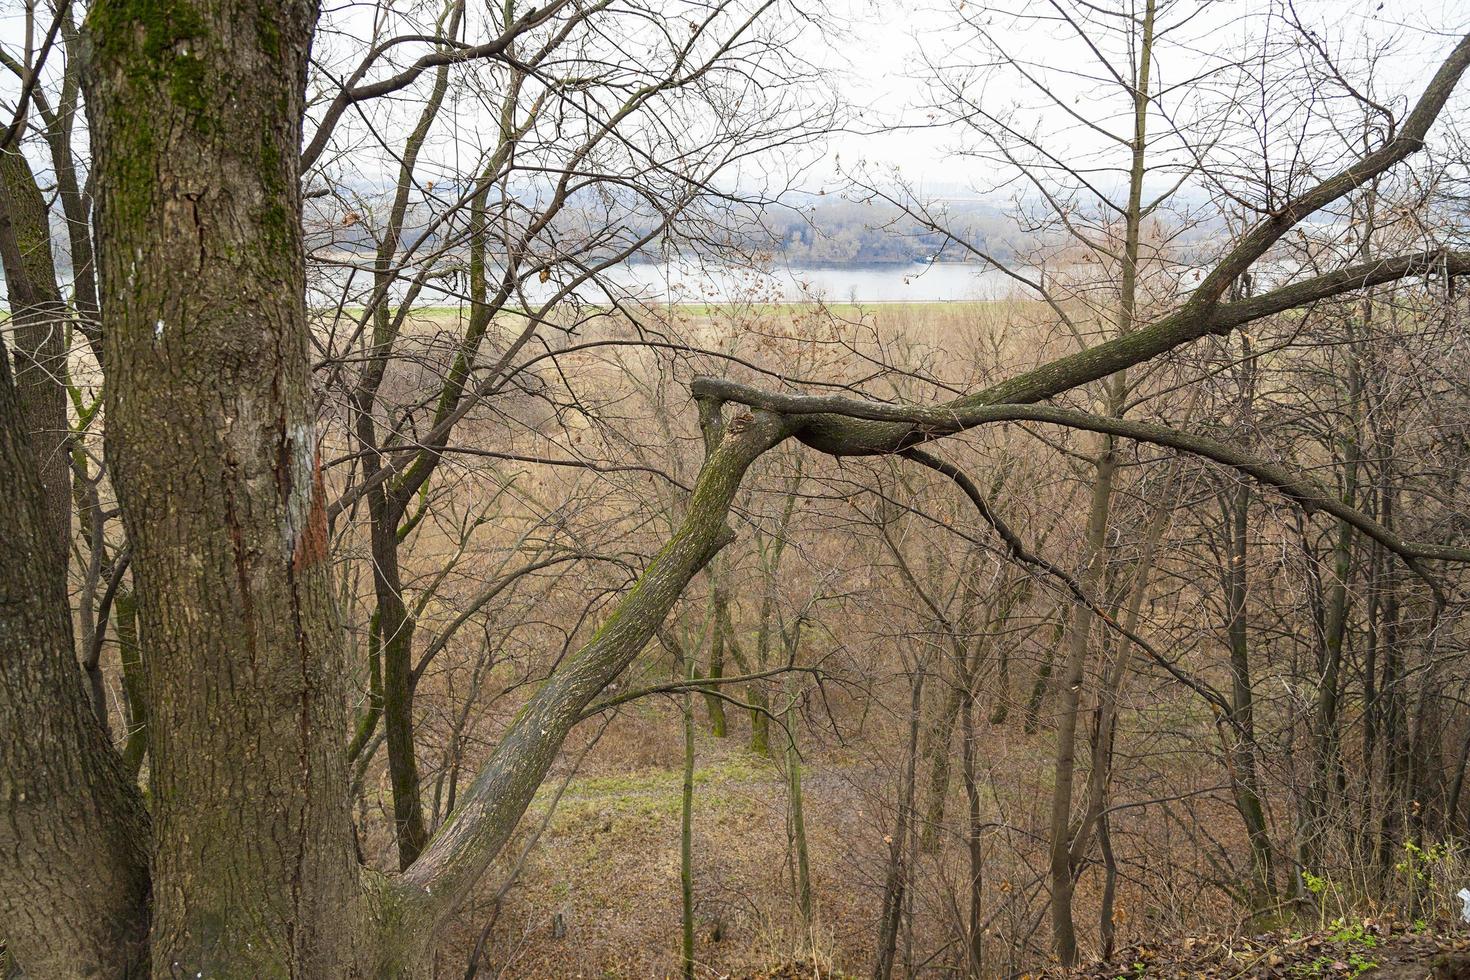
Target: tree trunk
x=387 y=502
x=803 y=875
x=975 y=938
x=39 y=318
x=1244 y=782
x=895 y=883
x=1063 y=854
x=135 y=692
x=713 y=704
x=396 y=629
x=936 y=749
x=1042 y=681
x=1243 y=751
x=73 y=864
x=1326 y=739
x=196 y=125
x=686 y=834
x=1064 y=933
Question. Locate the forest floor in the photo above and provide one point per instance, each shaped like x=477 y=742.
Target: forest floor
x=598 y=895
x=1378 y=949
x=1382 y=952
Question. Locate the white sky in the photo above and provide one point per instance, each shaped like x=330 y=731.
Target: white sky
x=873 y=52
x=883 y=69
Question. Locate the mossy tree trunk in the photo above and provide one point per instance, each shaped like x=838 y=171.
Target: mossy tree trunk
x=73 y=868
x=212 y=445
x=196 y=115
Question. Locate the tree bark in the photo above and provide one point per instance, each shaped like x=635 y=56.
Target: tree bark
x=1244 y=782
x=39 y=340
x=196 y=127
x=73 y=864
x=1064 y=934
x=896 y=878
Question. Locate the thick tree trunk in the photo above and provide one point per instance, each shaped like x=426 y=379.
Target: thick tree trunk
x=196 y=111
x=196 y=116
x=73 y=863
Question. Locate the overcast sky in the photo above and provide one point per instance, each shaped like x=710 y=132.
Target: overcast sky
x=875 y=52
x=882 y=59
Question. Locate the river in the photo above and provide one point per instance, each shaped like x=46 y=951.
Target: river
x=689 y=282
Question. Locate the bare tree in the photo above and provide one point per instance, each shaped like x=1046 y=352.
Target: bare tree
x=213 y=447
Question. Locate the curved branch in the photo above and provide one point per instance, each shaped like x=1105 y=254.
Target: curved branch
x=842 y=436
x=445 y=872
x=924 y=424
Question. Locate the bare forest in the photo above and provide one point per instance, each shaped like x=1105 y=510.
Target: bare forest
x=397 y=580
